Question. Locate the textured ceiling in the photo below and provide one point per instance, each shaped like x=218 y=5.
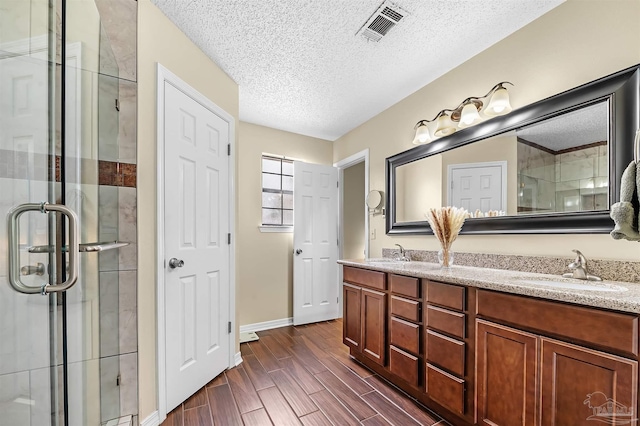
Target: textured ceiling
x=300 y=66
x=581 y=127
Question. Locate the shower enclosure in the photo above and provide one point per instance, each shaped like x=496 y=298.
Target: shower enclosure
x=63 y=357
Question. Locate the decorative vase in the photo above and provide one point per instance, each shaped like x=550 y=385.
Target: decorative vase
x=445 y=257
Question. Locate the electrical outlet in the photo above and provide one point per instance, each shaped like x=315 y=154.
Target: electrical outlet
x=373 y=234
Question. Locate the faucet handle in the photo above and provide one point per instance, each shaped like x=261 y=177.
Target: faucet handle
x=580 y=259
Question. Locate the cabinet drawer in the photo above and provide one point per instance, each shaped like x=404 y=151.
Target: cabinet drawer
x=602 y=328
x=407 y=286
x=405 y=335
x=451 y=296
x=364 y=277
x=448 y=322
x=404 y=365
x=405 y=308
x=445 y=389
x=445 y=352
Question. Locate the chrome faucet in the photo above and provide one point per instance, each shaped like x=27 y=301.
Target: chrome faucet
x=402 y=256
x=579 y=268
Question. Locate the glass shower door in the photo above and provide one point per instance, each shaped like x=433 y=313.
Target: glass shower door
x=31 y=356
x=51 y=370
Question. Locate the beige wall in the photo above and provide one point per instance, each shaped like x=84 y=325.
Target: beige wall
x=575 y=43
x=353 y=212
x=265 y=274
x=161 y=41
x=419 y=188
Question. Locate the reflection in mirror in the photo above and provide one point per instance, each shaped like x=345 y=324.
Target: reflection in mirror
x=418 y=188
x=553 y=166
x=563 y=163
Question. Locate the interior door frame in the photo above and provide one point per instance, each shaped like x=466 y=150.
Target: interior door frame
x=343 y=164
x=503 y=180
x=166 y=76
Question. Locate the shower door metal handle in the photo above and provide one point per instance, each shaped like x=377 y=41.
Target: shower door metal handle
x=13 y=232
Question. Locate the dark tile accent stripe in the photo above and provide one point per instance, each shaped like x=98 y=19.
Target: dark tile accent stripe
x=112 y=173
x=36 y=167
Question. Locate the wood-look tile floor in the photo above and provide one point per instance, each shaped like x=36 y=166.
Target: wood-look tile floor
x=300 y=376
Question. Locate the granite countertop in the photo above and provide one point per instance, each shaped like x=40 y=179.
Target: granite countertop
x=615 y=295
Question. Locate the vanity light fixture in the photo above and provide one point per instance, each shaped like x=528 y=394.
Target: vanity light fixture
x=464 y=115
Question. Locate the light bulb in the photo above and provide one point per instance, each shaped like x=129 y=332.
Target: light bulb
x=499 y=103
x=469 y=115
x=422 y=135
x=444 y=126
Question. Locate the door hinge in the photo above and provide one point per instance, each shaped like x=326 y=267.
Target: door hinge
x=229 y=238
x=118 y=380
x=337 y=300
x=337 y=184
x=229 y=149
x=229 y=327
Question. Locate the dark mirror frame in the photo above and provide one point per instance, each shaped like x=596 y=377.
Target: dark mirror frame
x=621 y=89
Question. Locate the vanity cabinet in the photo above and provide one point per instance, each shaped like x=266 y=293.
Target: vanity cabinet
x=374 y=324
x=364 y=316
x=449 y=377
x=577 y=382
x=405 y=329
x=516 y=368
x=482 y=357
x=351 y=329
x=507 y=361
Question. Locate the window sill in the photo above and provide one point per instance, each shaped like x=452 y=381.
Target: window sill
x=282 y=229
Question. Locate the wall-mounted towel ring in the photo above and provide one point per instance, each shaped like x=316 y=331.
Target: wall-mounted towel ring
x=636 y=144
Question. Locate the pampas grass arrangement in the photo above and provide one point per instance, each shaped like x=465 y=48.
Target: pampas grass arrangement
x=446 y=223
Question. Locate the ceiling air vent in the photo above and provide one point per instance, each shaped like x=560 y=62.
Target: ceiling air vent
x=381 y=22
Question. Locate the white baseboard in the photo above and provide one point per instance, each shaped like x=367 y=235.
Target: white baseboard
x=267 y=325
x=238 y=359
x=152 y=420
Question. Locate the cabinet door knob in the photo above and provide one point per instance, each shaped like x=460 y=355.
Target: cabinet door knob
x=298 y=252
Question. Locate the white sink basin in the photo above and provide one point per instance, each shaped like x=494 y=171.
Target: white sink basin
x=573 y=285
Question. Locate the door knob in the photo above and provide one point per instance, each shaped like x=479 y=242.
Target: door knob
x=175 y=263
x=298 y=252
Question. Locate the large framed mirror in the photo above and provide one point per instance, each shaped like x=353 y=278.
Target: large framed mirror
x=550 y=167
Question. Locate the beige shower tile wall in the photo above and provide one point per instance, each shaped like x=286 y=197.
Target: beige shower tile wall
x=118 y=19
x=577 y=42
x=580 y=164
x=117 y=142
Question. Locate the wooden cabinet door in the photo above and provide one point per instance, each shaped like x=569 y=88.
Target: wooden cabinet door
x=351 y=332
x=373 y=307
x=581 y=386
x=506 y=375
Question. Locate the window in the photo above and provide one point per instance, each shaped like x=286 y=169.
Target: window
x=277 y=191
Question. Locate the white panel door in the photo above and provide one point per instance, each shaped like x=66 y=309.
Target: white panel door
x=478 y=186
x=315 y=242
x=196 y=226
